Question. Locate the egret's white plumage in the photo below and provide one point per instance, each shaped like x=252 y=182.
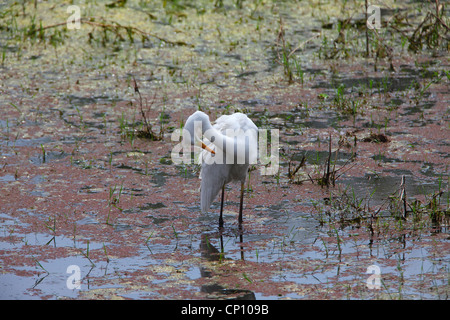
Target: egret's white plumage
x=235 y=131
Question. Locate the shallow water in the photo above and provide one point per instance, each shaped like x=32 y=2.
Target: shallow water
x=79 y=187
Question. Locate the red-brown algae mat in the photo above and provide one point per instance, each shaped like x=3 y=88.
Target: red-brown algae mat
x=92 y=205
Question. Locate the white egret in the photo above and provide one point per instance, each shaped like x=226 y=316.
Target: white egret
x=230 y=148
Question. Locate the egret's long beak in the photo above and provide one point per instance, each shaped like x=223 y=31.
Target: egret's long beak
x=204 y=146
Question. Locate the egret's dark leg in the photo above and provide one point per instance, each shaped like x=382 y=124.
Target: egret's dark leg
x=221 y=207
x=242 y=202
x=241 y=205
x=221 y=254
x=241 y=239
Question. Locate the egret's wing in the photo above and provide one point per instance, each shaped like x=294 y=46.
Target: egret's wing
x=242 y=124
x=234 y=121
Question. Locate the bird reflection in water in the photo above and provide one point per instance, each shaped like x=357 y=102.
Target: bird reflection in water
x=210 y=253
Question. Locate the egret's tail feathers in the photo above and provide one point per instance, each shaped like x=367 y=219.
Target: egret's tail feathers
x=207 y=197
x=211 y=185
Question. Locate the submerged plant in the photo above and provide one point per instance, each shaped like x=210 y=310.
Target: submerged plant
x=147 y=127
x=286 y=57
x=346 y=208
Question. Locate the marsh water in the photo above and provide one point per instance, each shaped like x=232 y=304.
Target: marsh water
x=83 y=182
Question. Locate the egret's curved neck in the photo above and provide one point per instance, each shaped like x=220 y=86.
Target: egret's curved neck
x=202 y=125
x=216 y=137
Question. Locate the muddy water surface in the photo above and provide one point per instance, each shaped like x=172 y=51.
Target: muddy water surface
x=79 y=186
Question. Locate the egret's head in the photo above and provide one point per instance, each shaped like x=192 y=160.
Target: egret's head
x=195 y=125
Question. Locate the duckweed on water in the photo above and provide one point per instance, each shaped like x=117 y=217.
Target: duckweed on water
x=86 y=177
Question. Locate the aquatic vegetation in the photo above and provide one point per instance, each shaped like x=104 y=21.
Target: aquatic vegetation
x=85 y=146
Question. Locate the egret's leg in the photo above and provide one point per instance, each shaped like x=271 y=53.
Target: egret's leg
x=242 y=202
x=221 y=207
x=241 y=239
x=241 y=205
